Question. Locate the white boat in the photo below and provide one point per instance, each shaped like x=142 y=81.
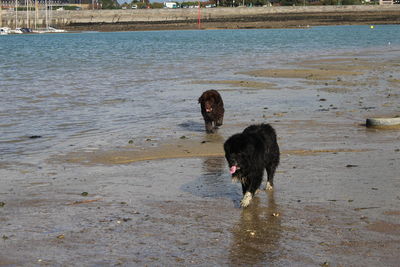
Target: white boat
x=38 y=30
x=5 y=30
x=48 y=30
x=51 y=29
x=17 y=31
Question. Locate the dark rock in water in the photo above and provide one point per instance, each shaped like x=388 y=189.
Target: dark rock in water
x=351 y=166
x=35 y=136
x=367 y=108
x=371 y=122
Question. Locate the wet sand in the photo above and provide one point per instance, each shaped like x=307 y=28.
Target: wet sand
x=170 y=202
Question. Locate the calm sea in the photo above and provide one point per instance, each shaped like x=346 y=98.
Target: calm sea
x=91 y=90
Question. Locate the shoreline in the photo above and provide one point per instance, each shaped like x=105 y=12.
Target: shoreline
x=273 y=17
x=256 y=21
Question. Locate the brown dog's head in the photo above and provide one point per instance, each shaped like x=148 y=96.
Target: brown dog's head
x=209 y=100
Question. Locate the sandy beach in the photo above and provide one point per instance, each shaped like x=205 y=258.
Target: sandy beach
x=171 y=202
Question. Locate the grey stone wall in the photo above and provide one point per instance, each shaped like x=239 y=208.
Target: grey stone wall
x=63 y=17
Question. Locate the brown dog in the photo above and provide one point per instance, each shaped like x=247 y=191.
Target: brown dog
x=212 y=109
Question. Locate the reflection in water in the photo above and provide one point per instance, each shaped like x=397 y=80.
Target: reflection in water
x=194 y=126
x=213 y=166
x=214 y=138
x=214 y=181
x=256 y=236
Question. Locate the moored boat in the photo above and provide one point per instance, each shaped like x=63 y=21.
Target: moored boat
x=5 y=30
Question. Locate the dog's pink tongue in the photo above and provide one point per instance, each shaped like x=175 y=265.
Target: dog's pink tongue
x=233 y=169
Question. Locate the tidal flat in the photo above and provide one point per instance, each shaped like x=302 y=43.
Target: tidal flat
x=168 y=200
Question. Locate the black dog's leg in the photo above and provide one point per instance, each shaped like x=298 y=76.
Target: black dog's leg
x=255 y=184
x=270 y=181
x=249 y=189
x=247 y=195
x=244 y=188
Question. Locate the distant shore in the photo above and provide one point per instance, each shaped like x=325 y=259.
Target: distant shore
x=280 y=18
x=210 y=18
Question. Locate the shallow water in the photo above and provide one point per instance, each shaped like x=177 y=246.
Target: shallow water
x=335 y=201
x=93 y=90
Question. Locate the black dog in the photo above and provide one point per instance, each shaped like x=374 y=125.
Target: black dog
x=248 y=153
x=212 y=109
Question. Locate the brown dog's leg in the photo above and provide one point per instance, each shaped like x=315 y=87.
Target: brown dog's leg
x=209 y=126
x=219 y=121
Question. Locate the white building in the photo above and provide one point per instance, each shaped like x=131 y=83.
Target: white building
x=170 y=5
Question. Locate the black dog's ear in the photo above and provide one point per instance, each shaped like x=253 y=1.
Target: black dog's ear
x=200 y=99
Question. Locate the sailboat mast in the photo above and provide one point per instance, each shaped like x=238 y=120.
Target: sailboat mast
x=50 y=12
x=27 y=14
x=16 y=14
x=1 y=19
x=36 y=13
x=47 y=15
